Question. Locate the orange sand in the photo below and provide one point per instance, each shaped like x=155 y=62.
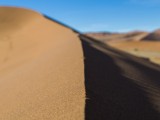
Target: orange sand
x=42 y=70
x=146 y=49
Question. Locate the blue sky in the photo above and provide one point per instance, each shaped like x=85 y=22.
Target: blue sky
x=98 y=15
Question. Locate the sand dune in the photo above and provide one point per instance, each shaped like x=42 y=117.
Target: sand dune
x=115 y=37
x=41 y=73
x=119 y=86
x=50 y=72
x=137 y=43
x=145 y=49
x=154 y=36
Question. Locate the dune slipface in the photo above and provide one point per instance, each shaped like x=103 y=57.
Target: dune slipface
x=42 y=69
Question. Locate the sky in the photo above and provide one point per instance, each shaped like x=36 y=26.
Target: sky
x=98 y=15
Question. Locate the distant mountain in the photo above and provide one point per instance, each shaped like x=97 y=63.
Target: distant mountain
x=154 y=36
x=107 y=36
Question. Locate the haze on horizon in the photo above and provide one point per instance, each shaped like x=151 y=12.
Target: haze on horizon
x=98 y=15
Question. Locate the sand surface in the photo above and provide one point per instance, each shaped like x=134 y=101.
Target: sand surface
x=115 y=37
x=49 y=72
x=145 y=49
x=139 y=43
x=41 y=68
x=119 y=86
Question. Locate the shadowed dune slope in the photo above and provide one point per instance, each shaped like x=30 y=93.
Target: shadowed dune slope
x=119 y=86
x=41 y=68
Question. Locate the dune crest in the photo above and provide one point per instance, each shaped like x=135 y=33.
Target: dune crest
x=42 y=69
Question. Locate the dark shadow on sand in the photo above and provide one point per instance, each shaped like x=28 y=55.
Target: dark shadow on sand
x=111 y=96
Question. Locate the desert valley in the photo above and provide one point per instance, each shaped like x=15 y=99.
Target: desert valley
x=139 y=43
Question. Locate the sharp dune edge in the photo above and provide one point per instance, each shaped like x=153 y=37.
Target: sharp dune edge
x=42 y=69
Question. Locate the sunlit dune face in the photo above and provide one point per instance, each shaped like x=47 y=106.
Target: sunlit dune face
x=9 y=20
x=41 y=68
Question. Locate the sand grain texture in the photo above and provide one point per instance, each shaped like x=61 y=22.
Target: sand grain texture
x=42 y=70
